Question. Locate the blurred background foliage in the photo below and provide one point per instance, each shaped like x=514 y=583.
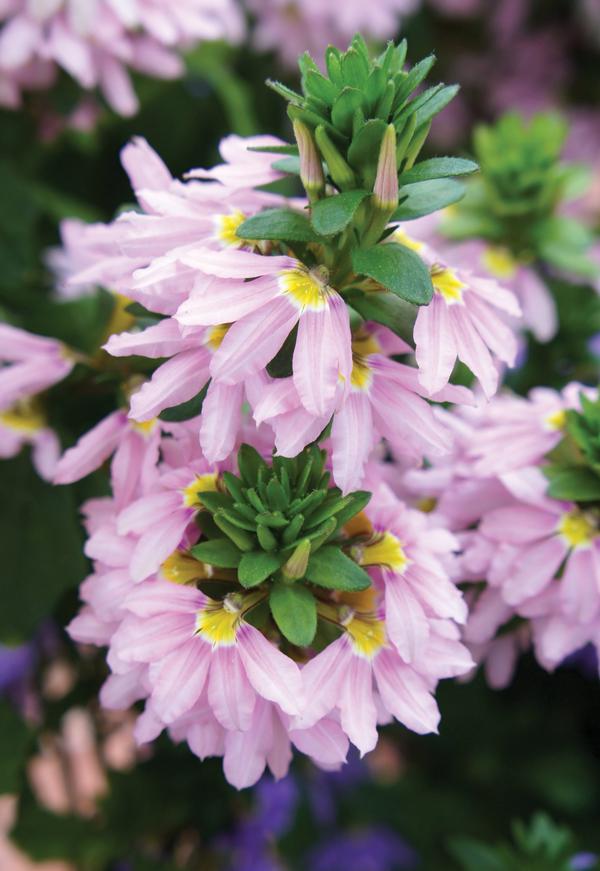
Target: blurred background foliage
x=436 y=803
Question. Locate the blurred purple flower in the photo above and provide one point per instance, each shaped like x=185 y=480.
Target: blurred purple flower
x=583 y=861
x=16 y=666
x=375 y=849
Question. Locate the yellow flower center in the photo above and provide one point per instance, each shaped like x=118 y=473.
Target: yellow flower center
x=577 y=529
x=360 y=620
x=404 y=239
x=385 y=550
x=216 y=336
x=361 y=375
x=426 y=504
x=120 y=319
x=227 y=226
x=201 y=484
x=306 y=289
x=557 y=420
x=218 y=622
x=145 y=427
x=447 y=285
x=181 y=568
x=24 y=417
x=499 y=262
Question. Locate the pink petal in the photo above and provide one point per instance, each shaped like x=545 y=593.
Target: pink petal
x=230 y=695
x=92 y=449
x=435 y=345
x=405 y=694
x=352 y=440
x=273 y=675
x=533 y=569
x=252 y=342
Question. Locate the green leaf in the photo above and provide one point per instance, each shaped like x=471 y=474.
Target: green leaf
x=426 y=197
x=333 y=214
x=295 y=611
x=285 y=92
x=344 y=108
x=474 y=856
x=250 y=463
x=398 y=269
x=355 y=502
x=187 y=410
x=364 y=149
x=220 y=552
x=81 y=323
x=256 y=566
x=214 y=501
x=438 y=101
x=407 y=82
x=438 y=167
x=275 y=149
x=283 y=225
x=384 y=308
x=576 y=483
x=331 y=568
x=320 y=87
x=15 y=738
x=41 y=547
x=290 y=165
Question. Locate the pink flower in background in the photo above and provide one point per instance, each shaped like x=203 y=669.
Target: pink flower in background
x=97 y=42
x=290 y=28
x=32 y=364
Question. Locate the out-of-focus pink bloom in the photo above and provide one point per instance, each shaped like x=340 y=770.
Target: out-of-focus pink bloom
x=533 y=426
x=96 y=43
x=290 y=28
x=32 y=364
x=24 y=424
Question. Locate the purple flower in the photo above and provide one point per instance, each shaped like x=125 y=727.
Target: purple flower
x=16 y=664
x=375 y=849
x=583 y=861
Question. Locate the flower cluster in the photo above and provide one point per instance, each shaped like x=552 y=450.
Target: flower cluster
x=246 y=589
x=528 y=523
x=97 y=42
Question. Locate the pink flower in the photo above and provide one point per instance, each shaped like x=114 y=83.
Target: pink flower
x=95 y=43
x=384 y=399
x=263 y=312
x=32 y=364
x=533 y=426
x=461 y=321
x=24 y=424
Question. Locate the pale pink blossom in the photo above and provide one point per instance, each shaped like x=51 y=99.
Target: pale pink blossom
x=31 y=364
x=97 y=43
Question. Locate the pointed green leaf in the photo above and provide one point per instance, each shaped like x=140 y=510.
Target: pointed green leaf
x=438 y=167
x=437 y=102
x=320 y=87
x=577 y=483
x=426 y=197
x=295 y=612
x=344 y=108
x=283 y=225
x=220 y=552
x=256 y=566
x=396 y=268
x=214 y=501
x=385 y=308
x=330 y=567
x=250 y=463
x=333 y=214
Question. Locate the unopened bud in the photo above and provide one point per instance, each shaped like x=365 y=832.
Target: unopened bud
x=339 y=170
x=385 y=191
x=311 y=170
x=295 y=567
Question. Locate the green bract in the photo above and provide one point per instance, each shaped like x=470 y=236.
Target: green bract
x=359 y=129
x=279 y=525
x=516 y=199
